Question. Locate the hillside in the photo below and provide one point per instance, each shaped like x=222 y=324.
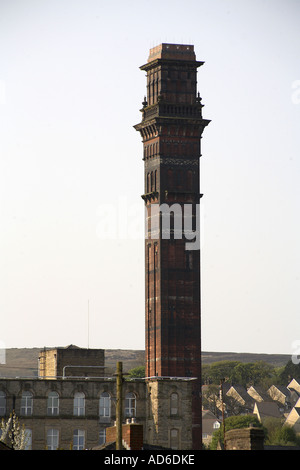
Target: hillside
x=23 y=362
x=276 y=360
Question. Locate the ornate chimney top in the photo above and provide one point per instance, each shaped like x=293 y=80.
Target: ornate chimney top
x=172 y=52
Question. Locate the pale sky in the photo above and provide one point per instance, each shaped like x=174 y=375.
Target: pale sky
x=70 y=93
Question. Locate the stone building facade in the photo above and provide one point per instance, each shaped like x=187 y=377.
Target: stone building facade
x=74 y=412
x=71 y=361
x=169 y=413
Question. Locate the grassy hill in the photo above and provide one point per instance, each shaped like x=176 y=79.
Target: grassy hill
x=23 y=362
x=276 y=360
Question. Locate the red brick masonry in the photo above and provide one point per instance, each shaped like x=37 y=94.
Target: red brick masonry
x=132 y=436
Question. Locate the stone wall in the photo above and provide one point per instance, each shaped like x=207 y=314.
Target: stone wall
x=169 y=413
x=163 y=409
x=61 y=362
x=39 y=422
x=244 y=439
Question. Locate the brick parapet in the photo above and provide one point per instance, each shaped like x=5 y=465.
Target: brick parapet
x=132 y=436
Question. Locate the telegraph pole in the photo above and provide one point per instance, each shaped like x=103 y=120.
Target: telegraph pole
x=119 y=407
x=223 y=413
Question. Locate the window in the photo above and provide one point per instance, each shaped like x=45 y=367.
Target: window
x=102 y=436
x=28 y=439
x=104 y=405
x=78 y=439
x=130 y=404
x=26 y=404
x=53 y=404
x=2 y=404
x=174 y=439
x=52 y=439
x=79 y=404
x=174 y=404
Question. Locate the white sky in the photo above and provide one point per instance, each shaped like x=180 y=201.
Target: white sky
x=70 y=93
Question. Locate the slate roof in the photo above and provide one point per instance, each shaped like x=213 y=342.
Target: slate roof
x=242 y=392
x=257 y=390
x=208 y=420
x=267 y=409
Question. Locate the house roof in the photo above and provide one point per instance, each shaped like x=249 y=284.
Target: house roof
x=208 y=421
x=267 y=409
x=297 y=404
x=294 y=385
x=281 y=388
x=239 y=389
x=242 y=392
x=207 y=414
x=257 y=390
x=291 y=418
x=297 y=410
x=208 y=425
x=226 y=386
x=294 y=396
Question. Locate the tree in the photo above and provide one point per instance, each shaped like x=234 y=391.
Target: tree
x=243 y=373
x=291 y=371
x=136 y=372
x=287 y=436
x=210 y=398
x=12 y=434
x=205 y=374
x=278 y=434
x=221 y=370
x=261 y=371
x=252 y=373
x=271 y=426
x=233 y=422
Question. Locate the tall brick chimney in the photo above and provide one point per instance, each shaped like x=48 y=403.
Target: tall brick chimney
x=171 y=130
x=132 y=436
